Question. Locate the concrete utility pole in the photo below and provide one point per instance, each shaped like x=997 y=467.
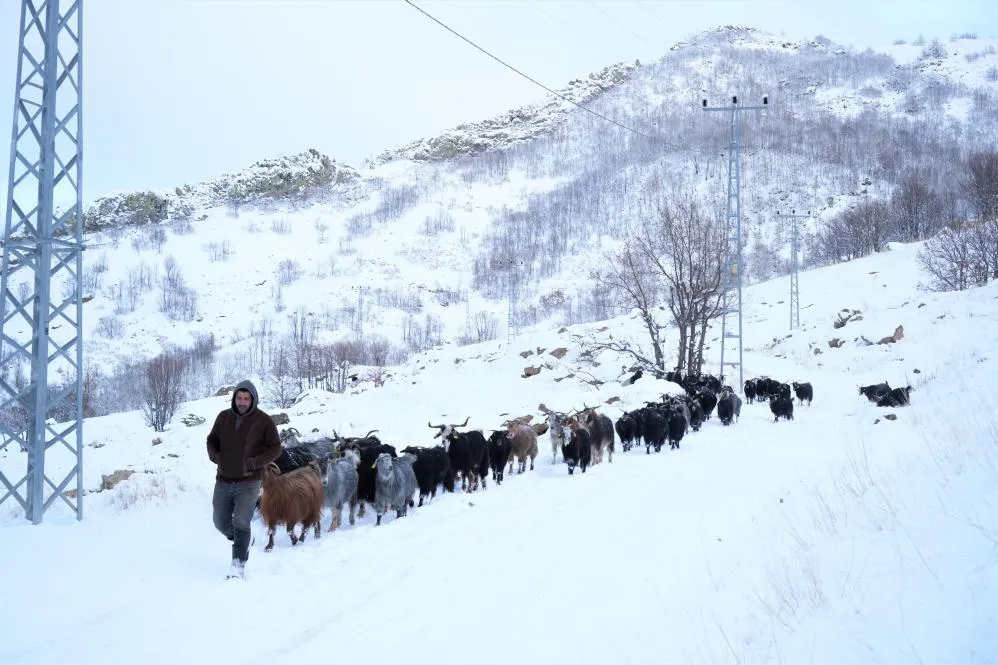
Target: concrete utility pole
x=40 y=244
x=732 y=262
x=794 y=266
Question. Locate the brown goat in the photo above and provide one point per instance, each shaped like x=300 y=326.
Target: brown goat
x=292 y=498
x=524 y=440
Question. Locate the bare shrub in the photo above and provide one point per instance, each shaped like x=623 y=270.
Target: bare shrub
x=124 y=296
x=93 y=279
x=438 y=223
x=947 y=260
x=182 y=225
x=482 y=327
x=91 y=383
x=100 y=264
x=852 y=234
x=982 y=184
x=110 y=327
x=407 y=300
x=181 y=304
x=68 y=289
x=173 y=278
x=218 y=251
x=360 y=225
x=156 y=236
x=915 y=208
x=321 y=228
x=983 y=239
x=277 y=292
x=163 y=393
x=346 y=247
x=377 y=350
x=282 y=384
x=280 y=226
x=288 y=271
x=142 y=278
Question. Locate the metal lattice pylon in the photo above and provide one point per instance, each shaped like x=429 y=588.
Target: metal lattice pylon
x=43 y=240
x=731 y=277
x=794 y=267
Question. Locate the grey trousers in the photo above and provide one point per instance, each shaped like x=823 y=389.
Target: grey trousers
x=232 y=509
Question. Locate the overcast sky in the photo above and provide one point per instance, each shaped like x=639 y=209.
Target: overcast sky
x=179 y=91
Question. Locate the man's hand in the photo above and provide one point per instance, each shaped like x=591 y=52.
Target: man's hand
x=213 y=457
x=250 y=465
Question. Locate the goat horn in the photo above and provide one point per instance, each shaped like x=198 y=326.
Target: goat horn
x=464 y=423
x=370 y=433
x=437 y=426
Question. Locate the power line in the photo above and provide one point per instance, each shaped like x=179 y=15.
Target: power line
x=533 y=80
x=618 y=22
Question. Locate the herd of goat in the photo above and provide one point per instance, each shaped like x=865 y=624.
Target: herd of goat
x=356 y=471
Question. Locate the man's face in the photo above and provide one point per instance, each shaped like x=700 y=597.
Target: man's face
x=243 y=401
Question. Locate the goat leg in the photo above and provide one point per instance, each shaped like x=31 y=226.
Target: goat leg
x=270 y=540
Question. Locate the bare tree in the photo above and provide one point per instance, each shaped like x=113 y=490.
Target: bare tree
x=284 y=386
x=947 y=258
x=853 y=233
x=687 y=247
x=916 y=209
x=378 y=349
x=91 y=382
x=635 y=282
x=983 y=239
x=163 y=389
x=982 y=184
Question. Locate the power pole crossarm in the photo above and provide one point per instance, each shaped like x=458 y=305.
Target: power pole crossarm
x=732 y=262
x=43 y=332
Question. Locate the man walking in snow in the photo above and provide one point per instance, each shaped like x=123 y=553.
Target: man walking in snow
x=242 y=441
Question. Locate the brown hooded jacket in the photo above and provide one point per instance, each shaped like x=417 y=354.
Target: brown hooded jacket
x=241 y=445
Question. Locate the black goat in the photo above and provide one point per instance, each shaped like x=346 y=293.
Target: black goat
x=432 y=468
x=804 y=391
x=875 y=391
x=627 y=429
x=896 y=397
x=726 y=408
x=578 y=450
x=500 y=449
x=468 y=454
x=782 y=405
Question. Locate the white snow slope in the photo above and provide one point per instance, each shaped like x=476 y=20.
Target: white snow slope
x=839 y=537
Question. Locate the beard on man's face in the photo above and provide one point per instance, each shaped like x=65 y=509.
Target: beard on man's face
x=242 y=408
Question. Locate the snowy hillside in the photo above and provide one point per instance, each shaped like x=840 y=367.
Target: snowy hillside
x=426 y=244
x=844 y=536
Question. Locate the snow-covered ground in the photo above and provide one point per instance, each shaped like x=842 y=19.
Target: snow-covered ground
x=839 y=537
